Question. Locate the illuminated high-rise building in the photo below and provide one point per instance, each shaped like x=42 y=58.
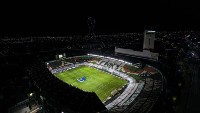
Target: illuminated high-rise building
x=149 y=37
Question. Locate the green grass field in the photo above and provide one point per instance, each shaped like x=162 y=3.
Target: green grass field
x=97 y=81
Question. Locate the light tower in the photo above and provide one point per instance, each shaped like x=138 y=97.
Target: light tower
x=149 y=37
x=91 y=24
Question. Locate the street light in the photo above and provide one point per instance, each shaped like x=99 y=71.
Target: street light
x=31 y=94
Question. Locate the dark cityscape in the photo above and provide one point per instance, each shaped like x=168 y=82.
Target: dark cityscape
x=100 y=57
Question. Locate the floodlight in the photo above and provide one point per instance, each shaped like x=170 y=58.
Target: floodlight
x=31 y=94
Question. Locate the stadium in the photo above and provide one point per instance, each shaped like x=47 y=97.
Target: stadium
x=96 y=83
x=100 y=57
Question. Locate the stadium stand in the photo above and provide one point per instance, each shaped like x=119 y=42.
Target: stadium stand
x=137 y=96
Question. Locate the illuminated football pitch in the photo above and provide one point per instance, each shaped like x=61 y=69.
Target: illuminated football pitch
x=100 y=82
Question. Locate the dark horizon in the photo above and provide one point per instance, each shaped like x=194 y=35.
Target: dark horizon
x=54 y=19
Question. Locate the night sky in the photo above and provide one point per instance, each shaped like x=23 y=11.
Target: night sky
x=67 y=18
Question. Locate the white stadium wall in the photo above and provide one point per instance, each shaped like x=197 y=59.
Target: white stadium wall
x=145 y=54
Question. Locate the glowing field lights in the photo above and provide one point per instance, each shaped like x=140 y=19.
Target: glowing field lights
x=151 y=31
x=110 y=58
